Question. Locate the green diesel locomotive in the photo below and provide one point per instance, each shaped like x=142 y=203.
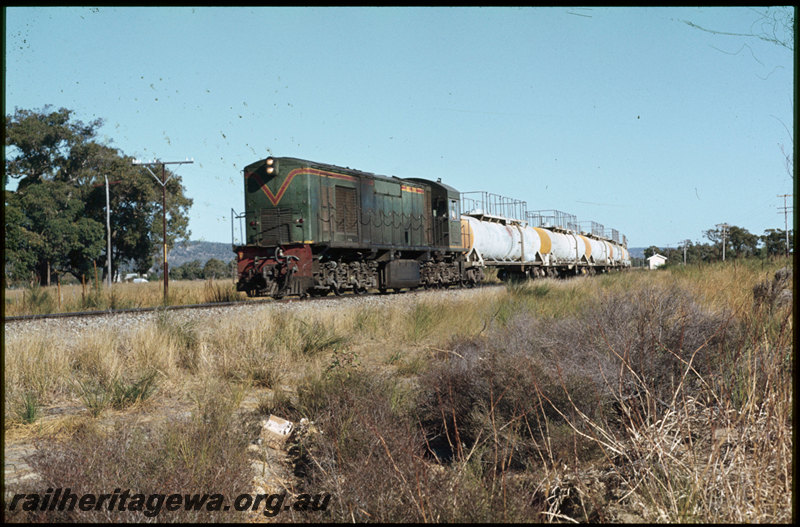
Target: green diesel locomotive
x=313 y=229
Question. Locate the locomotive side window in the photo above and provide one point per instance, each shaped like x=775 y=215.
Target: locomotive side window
x=440 y=210
x=455 y=213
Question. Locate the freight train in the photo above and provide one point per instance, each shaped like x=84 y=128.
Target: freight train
x=315 y=229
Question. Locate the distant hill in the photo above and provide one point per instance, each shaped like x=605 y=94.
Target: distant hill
x=202 y=251
x=636 y=252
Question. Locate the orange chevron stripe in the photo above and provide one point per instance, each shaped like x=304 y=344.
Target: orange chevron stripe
x=276 y=197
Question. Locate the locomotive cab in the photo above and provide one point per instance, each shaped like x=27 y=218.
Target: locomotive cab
x=275 y=209
x=444 y=211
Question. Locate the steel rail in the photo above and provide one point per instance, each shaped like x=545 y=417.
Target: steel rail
x=112 y=312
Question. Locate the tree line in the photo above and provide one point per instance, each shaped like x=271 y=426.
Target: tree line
x=195 y=269
x=738 y=242
x=55 y=219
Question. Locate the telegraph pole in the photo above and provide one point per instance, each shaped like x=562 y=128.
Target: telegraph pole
x=108 y=229
x=685 y=244
x=108 y=225
x=786 y=218
x=724 y=227
x=163 y=182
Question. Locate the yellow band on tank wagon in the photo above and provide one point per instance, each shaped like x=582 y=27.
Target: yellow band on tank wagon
x=547 y=245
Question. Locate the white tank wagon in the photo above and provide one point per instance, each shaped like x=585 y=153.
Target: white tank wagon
x=499 y=240
x=518 y=248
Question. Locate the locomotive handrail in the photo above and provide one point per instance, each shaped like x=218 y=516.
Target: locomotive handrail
x=361 y=216
x=380 y=215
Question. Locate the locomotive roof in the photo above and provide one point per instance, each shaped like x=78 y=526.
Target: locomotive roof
x=350 y=171
x=322 y=166
x=447 y=188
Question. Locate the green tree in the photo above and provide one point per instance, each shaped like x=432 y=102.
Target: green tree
x=43 y=145
x=738 y=242
x=650 y=251
x=742 y=242
x=774 y=242
x=20 y=242
x=188 y=271
x=215 y=268
x=57 y=215
x=49 y=231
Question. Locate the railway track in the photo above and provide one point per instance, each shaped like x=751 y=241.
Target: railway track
x=112 y=312
x=144 y=310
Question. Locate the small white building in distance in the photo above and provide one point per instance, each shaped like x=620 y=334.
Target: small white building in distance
x=656 y=261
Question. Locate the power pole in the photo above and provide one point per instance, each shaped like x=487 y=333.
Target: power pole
x=724 y=228
x=786 y=218
x=108 y=225
x=163 y=183
x=108 y=229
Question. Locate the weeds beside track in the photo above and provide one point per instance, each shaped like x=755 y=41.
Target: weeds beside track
x=640 y=397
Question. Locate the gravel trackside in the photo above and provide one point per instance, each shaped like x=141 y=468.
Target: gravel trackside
x=125 y=322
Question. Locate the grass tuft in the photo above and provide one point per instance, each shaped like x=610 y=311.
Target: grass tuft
x=215 y=292
x=26 y=408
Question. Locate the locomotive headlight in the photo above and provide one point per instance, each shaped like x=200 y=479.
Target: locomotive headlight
x=270 y=170
x=272 y=167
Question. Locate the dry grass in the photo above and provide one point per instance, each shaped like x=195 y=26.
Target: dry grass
x=44 y=300
x=663 y=396
x=205 y=453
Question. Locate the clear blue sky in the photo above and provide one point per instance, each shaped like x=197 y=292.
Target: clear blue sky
x=624 y=116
